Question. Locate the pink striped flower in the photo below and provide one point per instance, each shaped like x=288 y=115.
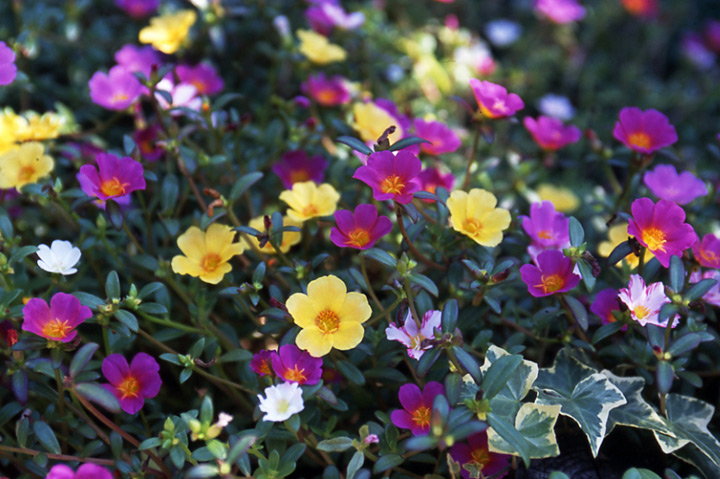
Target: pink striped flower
x=116 y=90
x=113 y=178
x=58 y=321
x=707 y=251
x=442 y=138
x=411 y=336
x=560 y=11
x=327 y=91
x=553 y=274
x=666 y=184
x=644 y=131
x=417 y=407
x=391 y=177
x=295 y=365
x=132 y=384
x=494 y=100
x=550 y=133
x=644 y=302
x=359 y=229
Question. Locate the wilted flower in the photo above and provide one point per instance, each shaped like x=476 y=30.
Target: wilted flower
x=503 y=32
x=23 y=165
x=666 y=184
x=289 y=238
x=138 y=8
x=58 y=321
x=411 y=336
x=132 y=384
x=168 y=32
x=644 y=303
x=550 y=133
x=281 y=401
x=553 y=274
x=359 y=229
x=391 y=177
x=325 y=16
x=308 y=200
x=138 y=59
x=616 y=235
x=442 y=138
x=85 y=471
x=494 y=100
x=707 y=251
x=417 y=407
x=476 y=456
x=474 y=214
x=113 y=179
x=562 y=198
x=327 y=91
x=318 y=48
x=644 y=131
x=60 y=257
x=560 y=11
x=206 y=254
x=297 y=167
x=606 y=301
x=202 y=76
x=292 y=364
x=261 y=363
x=8 y=70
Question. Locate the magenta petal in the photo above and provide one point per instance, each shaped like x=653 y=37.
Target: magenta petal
x=115 y=369
x=92 y=471
x=432 y=389
x=402 y=419
x=60 y=471
x=337 y=237
x=36 y=314
x=410 y=396
x=366 y=216
x=132 y=405
x=345 y=221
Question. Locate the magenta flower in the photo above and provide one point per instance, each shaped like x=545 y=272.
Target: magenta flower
x=261 y=363
x=116 y=90
x=85 y=471
x=661 y=228
x=560 y=11
x=494 y=100
x=550 y=134
x=713 y=294
x=417 y=407
x=442 y=138
x=411 y=336
x=707 y=251
x=146 y=140
x=553 y=274
x=644 y=303
x=666 y=184
x=114 y=178
x=547 y=228
x=132 y=384
x=295 y=365
x=203 y=76
x=58 y=321
x=359 y=229
x=296 y=167
x=138 y=59
x=8 y=70
x=391 y=177
x=138 y=8
x=325 y=16
x=327 y=91
x=477 y=456
x=644 y=131
x=605 y=303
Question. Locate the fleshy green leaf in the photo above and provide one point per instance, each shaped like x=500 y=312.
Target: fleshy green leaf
x=355 y=144
x=99 y=395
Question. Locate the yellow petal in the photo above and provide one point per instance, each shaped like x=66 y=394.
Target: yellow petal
x=183 y=265
x=314 y=342
x=302 y=310
x=218 y=237
x=327 y=293
x=348 y=335
x=192 y=243
x=216 y=275
x=355 y=309
x=479 y=201
x=497 y=220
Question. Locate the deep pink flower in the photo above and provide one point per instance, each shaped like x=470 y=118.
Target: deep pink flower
x=116 y=90
x=707 y=251
x=547 y=228
x=553 y=274
x=146 y=139
x=296 y=167
x=661 y=228
x=442 y=138
x=138 y=8
x=132 y=384
x=605 y=303
x=712 y=35
x=645 y=303
x=666 y=184
x=359 y=229
x=641 y=8
x=550 y=133
x=202 y=76
x=391 y=177
x=58 y=321
x=327 y=91
x=644 y=131
x=411 y=336
x=323 y=17
x=114 y=178
x=417 y=407
x=138 y=59
x=85 y=471
x=494 y=100
x=295 y=365
x=8 y=70
x=476 y=454
x=560 y=11
x=432 y=178
x=713 y=294
x=261 y=363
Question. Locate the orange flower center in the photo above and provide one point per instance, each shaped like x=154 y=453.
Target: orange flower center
x=709 y=256
x=551 y=283
x=295 y=375
x=113 y=187
x=421 y=416
x=200 y=85
x=129 y=387
x=480 y=457
x=472 y=225
x=298 y=176
x=26 y=173
x=544 y=234
x=636 y=6
x=358 y=237
x=118 y=97
x=325 y=97
x=641 y=312
x=264 y=367
x=654 y=238
x=392 y=184
x=310 y=210
x=56 y=329
x=327 y=321
x=210 y=262
x=640 y=140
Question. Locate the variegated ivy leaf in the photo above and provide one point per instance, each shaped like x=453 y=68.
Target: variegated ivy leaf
x=636 y=412
x=688 y=419
x=583 y=394
x=507 y=402
x=536 y=423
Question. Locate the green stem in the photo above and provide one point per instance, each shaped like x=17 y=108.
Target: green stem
x=471 y=159
x=132 y=237
x=401 y=225
x=169 y=323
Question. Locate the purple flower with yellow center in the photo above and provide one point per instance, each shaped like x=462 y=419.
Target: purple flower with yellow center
x=713 y=294
x=560 y=11
x=146 y=140
x=644 y=302
x=644 y=131
x=550 y=134
x=442 y=138
x=85 y=471
x=546 y=227
x=138 y=59
x=261 y=363
x=295 y=365
x=707 y=251
x=8 y=70
x=494 y=100
x=411 y=336
x=202 y=76
x=132 y=384
x=297 y=167
x=661 y=228
x=476 y=456
x=116 y=90
x=605 y=303
x=138 y=8
x=417 y=407
x=113 y=179
x=666 y=184
x=359 y=229
x=553 y=274
x=327 y=91
x=432 y=178
x=58 y=321
x=391 y=177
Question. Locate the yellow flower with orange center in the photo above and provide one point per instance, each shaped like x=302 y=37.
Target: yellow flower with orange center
x=616 y=235
x=563 y=199
x=371 y=121
x=308 y=200
x=474 y=214
x=206 y=254
x=289 y=238
x=329 y=316
x=318 y=49
x=23 y=165
x=167 y=32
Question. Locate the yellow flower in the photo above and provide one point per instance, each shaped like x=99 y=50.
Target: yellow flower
x=167 y=32
x=616 y=235
x=308 y=200
x=563 y=199
x=206 y=253
x=371 y=121
x=318 y=49
x=474 y=214
x=289 y=238
x=24 y=164
x=41 y=127
x=329 y=316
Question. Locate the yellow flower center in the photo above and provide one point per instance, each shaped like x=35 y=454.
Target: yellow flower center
x=113 y=187
x=709 y=256
x=551 y=283
x=327 y=321
x=421 y=416
x=359 y=237
x=56 y=329
x=210 y=262
x=544 y=234
x=310 y=210
x=264 y=367
x=129 y=388
x=295 y=375
x=472 y=225
x=26 y=174
x=641 y=312
x=392 y=184
x=640 y=140
x=416 y=341
x=654 y=238
x=119 y=97
x=480 y=457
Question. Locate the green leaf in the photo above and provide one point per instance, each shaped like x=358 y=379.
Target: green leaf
x=202 y=471
x=20 y=253
x=686 y=342
x=353 y=374
x=243 y=183
x=206 y=410
x=449 y=316
x=149 y=289
x=558 y=475
x=114 y=214
x=424 y=282
x=587 y=274
x=606 y=330
x=578 y=311
x=153 y=308
x=620 y=251
x=381 y=257
x=420 y=443
x=664 y=375
x=81 y=358
x=149 y=443
x=355 y=464
x=577 y=233
x=355 y=144
x=336 y=444
x=677 y=273
x=407 y=141
x=700 y=288
x=498 y=374
x=112 y=285
x=468 y=362
x=46 y=437
x=388 y=461
x=128 y=319
x=508 y=400
x=511 y=436
x=640 y=474
x=240 y=447
x=99 y=395
x=427 y=360
x=169 y=193
x=688 y=419
x=536 y=424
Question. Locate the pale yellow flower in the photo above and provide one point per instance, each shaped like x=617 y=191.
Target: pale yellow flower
x=206 y=254
x=318 y=49
x=371 y=121
x=616 y=235
x=41 y=127
x=167 y=32
x=474 y=214
x=24 y=164
x=563 y=199
x=289 y=238
x=308 y=200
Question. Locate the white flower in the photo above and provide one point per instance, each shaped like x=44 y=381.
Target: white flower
x=411 y=336
x=60 y=257
x=281 y=402
x=556 y=106
x=645 y=303
x=502 y=32
x=224 y=419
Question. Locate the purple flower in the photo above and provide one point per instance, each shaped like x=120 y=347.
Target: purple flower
x=442 y=139
x=666 y=184
x=134 y=383
x=661 y=228
x=295 y=365
x=476 y=454
x=138 y=8
x=644 y=303
x=553 y=274
x=560 y=11
x=432 y=178
x=391 y=177
x=138 y=59
x=204 y=77
x=605 y=303
x=694 y=49
x=116 y=90
x=114 y=178
x=261 y=363
x=327 y=91
x=417 y=407
x=644 y=131
x=323 y=17
x=296 y=167
x=550 y=134
x=8 y=70
x=58 y=321
x=707 y=251
x=359 y=229
x=494 y=100
x=85 y=471
x=713 y=294
x=146 y=140
x=411 y=336
x=547 y=228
